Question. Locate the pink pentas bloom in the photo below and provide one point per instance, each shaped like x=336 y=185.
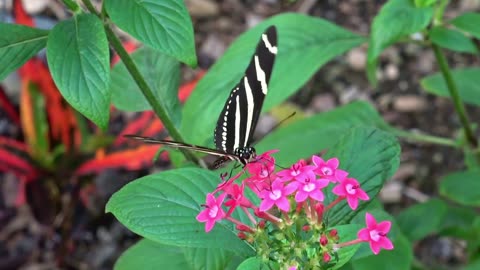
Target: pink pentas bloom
x=213 y=211
x=326 y=169
x=276 y=195
x=235 y=197
x=298 y=171
x=350 y=188
x=309 y=189
x=376 y=234
x=262 y=171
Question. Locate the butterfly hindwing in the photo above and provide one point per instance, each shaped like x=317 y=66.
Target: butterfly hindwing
x=238 y=119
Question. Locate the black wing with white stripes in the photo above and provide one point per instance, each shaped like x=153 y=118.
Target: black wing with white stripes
x=238 y=119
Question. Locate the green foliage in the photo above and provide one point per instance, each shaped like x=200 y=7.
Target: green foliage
x=175 y=197
x=79 y=60
x=369 y=155
x=306 y=40
x=396 y=19
x=148 y=254
x=466 y=80
x=161 y=72
x=452 y=39
x=319 y=132
x=163 y=25
x=462 y=187
x=18 y=43
x=469 y=23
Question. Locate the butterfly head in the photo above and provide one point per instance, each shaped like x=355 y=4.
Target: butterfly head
x=246 y=153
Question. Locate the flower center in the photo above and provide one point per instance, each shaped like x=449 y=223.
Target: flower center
x=264 y=173
x=351 y=189
x=275 y=194
x=213 y=211
x=327 y=171
x=375 y=235
x=309 y=187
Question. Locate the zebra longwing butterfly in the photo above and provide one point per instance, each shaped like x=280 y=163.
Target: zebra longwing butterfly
x=238 y=119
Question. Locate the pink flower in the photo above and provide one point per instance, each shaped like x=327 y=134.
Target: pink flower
x=298 y=171
x=263 y=164
x=236 y=197
x=376 y=234
x=326 y=169
x=277 y=195
x=310 y=189
x=213 y=211
x=350 y=188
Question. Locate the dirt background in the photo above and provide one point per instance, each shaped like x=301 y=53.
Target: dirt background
x=98 y=239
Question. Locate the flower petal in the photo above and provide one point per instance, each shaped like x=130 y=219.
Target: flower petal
x=370 y=221
x=283 y=204
x=352 y=202
x=385 y=243
x=333 y=163
x=301 y=196
x=265 y=205
x=375 y=247
x=384 y=226
x=364 y=234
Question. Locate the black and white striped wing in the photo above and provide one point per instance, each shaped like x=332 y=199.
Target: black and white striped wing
x=237 y=122
x=180 y=145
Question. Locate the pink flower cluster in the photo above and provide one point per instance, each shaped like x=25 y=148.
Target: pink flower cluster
x=295 y=191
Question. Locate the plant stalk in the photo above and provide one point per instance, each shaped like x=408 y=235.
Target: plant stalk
x=418 y=137
x=453 y=90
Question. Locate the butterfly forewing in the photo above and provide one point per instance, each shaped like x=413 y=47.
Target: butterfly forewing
x=238 y=119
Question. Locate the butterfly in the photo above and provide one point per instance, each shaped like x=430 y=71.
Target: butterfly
x=238 y=119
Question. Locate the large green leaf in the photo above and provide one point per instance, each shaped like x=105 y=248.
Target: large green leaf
x=396 y=19
x=452 y=39
x=147 y=254
x=162 y=207
x=423 y=219
x=150 y=255
x=164 y=25
x=304 y=45
x=18 y=43
x=462 y=187
x=314 y=134
x=79 y=60
x=369 y=155
x=467 y=81
x=469 y=23
x=161 y=72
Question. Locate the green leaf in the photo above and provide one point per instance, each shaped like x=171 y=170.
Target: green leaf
x=421 y=220
x=78 y=58
x=468 y=22
x=305 y=44
x=347 y=233
x=252 y=263
x=162 y=74
x=396 y=19
x=18 y=43
x=369 y=155
x=472 y=265
x=425 y=3
x=462 y=187
x=314 y=134
x=452 y=39
x=162 y=207
x=147 y=254
x=466 y=80
x=164 y=25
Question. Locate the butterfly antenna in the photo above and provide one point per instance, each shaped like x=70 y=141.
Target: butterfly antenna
x=276 y=126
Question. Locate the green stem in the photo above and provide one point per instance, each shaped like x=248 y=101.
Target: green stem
x=159 y=110
x=73 y=6
x=453 y=90
x=423 y=138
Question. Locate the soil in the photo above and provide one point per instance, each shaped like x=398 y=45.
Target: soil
x=97 y=239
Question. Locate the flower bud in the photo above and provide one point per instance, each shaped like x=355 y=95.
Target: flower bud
x=323 y=240
x=326 y=257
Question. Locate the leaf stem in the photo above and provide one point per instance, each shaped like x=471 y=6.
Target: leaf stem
x=453 y=90
x=159 y=110
x=423 y=138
